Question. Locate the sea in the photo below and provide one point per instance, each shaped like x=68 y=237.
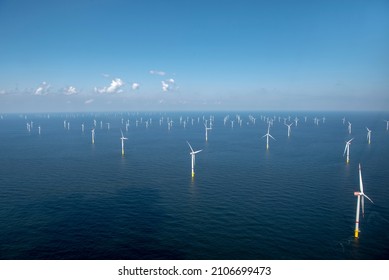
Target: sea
x=64 y=198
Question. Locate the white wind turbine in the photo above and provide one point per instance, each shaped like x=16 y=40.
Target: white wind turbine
x=368 y=135
x=347 y=149
x=387 y=124
x=289 y=125
x=296 y=120
x=360 y=202
x=193 y=154
x=267 y=137
x=206 y=131
x=349 y=127
x=93 y=135
x=123 y=138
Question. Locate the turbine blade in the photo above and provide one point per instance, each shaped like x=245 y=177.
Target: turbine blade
x=198 y=151
x=345 y=149
x=368 y=198
x=363 y=206
x=360 y=180
x=190 y=146
x=272 y=137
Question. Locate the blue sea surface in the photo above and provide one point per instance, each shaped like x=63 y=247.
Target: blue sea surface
x=62 y=197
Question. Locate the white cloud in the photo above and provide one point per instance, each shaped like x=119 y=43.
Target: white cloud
x=159 y=73
x=165 y=86
x=135 y=86
x=115 y=87
x=105 y=75
x=42 y=89
x=169 y=85
x=89 y=101
x=70 y=90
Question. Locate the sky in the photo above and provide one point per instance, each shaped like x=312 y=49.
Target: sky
x=137 y=55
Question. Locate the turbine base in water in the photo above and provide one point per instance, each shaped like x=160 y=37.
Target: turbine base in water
x=192 y=174
x=356 y=233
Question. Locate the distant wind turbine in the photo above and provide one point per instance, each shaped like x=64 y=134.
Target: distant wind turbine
x=349 y=127
x=267 y=137
x=193 y=154
x=360 y=203
x=347 y=149
x=123 y=138
x=296 y=120
x=93 y=135
x=289 y=125
x=368 y=135
x=206 y=131
x=387 y=124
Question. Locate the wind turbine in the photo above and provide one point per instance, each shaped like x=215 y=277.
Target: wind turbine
x=361 y=197
x=123 y=138
x=289 y=125
x=267 y=137
x=296 y=120
x=206 y=131
x=347 y=149
x=368 y=135
x=93 y=135
x=193 y=154
x=349 y=127
x=387 y=124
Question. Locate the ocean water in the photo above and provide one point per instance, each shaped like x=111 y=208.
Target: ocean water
x=62 y=197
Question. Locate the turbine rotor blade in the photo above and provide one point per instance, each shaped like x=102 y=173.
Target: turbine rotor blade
x=367 y=198
x=190 y=146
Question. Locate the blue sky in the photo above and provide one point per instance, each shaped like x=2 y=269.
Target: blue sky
x=193 y=55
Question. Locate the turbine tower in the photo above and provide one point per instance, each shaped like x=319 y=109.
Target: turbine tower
x=289 y=125
x=193 y=154
x=347 y=149
x=123 y=138
x=360 y=203
x=267 y=137
x=368 y=135
x=206 y=131
x=93 y=135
